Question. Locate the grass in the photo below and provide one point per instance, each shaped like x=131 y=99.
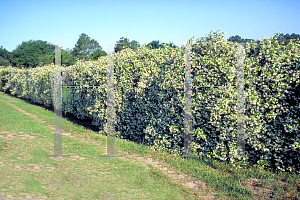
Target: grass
x=26 y=172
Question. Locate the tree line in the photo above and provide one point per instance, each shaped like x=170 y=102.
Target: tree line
x=35 y=53
x=282 y=39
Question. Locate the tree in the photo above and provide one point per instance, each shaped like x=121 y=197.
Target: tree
x=45 y=59
x=4 y=62
x=85 y=46
x=236 y=38
x=124 y=43
x=285 y=39
x=5 y=57
x=67 y=57
x=171 y=44
x=282 y=39
x=134 y=45
x=155 y=45
x=295 y=36
x=33 y=53
x=98 y=53
x=248 y=40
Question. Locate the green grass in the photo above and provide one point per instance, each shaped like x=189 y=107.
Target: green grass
x=26 y=172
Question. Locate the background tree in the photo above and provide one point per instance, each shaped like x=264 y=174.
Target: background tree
x=155 y=45
x=67 y=58
x=124 y=43
x=171 y=44
x=5 y=57
x=282 y=39
x=238 y=39
x=134 y=45
x=85 y=46
x=45 y=59
x=4 y=62
x=248 y=40
x=32 y=53
x=98 y=53
x=285 y=39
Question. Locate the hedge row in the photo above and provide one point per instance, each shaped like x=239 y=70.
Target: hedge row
x=149 y=97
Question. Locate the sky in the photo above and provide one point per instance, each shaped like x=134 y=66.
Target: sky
x=143 y=21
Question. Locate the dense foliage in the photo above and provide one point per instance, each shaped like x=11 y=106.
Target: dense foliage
x=33 y=53
x=5 y=57
x=149 y=97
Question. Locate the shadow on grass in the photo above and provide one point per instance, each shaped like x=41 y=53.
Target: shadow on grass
x=83 y=122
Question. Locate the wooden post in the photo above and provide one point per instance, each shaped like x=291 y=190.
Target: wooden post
x=240 y=102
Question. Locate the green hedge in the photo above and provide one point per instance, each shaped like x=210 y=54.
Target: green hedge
x=149 y=97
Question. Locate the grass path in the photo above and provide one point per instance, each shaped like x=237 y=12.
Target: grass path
x=26 y=137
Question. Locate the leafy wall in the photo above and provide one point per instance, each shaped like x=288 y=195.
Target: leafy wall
x=149 y=97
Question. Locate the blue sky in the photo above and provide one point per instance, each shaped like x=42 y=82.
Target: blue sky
x=143 y=21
